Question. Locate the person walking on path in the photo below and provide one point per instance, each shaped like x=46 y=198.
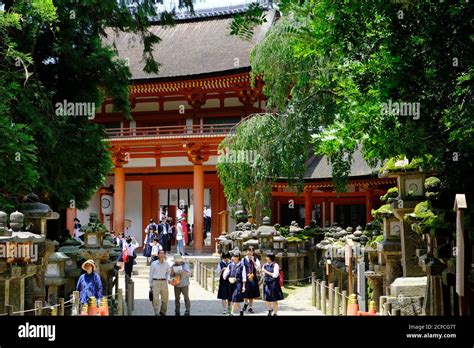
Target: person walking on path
x=128 y=255
x=89 y=283
x=252 y=269
x=237 y=276
x=224 y=292
x=148 y=243
x=180 y=241
x=184 y=225
x=180 y=272
x=155 y=248
x=165 y=230
x=272 y=292
x=158 y=281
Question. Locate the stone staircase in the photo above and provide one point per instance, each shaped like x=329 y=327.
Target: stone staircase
x=141 y=270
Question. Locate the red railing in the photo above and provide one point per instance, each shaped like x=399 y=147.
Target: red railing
x=182 y=130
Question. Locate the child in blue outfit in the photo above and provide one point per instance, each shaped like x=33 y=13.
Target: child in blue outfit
x=272 y=292
x=224 y=292
x=237 y=276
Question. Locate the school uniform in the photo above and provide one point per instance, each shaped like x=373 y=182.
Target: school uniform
x=237 y=271
x=148 y=243
x=165 y=233
x=154 y=251
x=271 y=287
x=252 y=289
x=128 y=266
x=224 y=292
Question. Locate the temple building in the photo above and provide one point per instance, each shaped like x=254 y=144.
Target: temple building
x=165 y=157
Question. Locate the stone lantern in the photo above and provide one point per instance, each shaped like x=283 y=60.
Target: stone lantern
x=93 y=232
x=279 y=243
x=16 y=221
x=265 y=234
x=19 y=258
x=4 y=230
x=93 y=239
x=56 y=265
x=55 y=276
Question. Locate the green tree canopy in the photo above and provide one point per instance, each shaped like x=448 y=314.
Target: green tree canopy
x=342 y=63
x=50 y=52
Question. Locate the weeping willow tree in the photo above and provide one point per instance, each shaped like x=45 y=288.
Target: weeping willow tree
x=253 y=158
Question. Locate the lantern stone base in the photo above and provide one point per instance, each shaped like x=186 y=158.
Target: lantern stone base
x=409 y=286
x=408 y=305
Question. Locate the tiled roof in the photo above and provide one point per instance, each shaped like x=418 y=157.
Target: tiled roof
x=318 y=167
x=190 y=48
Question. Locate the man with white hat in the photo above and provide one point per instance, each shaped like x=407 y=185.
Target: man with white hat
x=180 y=272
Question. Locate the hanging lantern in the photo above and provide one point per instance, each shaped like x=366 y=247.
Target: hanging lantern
x=106 y=204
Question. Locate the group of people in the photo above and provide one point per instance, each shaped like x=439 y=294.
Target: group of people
x=239 y=278
x=239 y=282
x=163 y=274
x=158 y=237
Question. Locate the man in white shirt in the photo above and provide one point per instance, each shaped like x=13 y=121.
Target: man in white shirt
x=158 y=280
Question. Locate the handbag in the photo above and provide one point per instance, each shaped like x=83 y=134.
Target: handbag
x=175 y=280
x=150 y=295
x=125 y=255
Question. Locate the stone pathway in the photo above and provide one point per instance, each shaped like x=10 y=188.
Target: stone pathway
x=204 y=302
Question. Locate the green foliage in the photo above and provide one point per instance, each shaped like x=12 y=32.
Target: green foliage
x=373 y=242
x=51 y=52
x=258 y=157
x=242 y=24
x=383 y=212
x=390 y=196
x=392 y=166
x=425 y=220
x=346 y=60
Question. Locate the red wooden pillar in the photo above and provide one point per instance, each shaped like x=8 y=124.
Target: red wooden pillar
x=146 y=205
x=307 y=207
x=198 y=189
x=369 y=204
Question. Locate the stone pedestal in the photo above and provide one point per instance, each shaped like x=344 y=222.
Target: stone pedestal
x=4 y=294
x=376 y=283
x=301 y=273
x=408 y=306
x=410 y=286
x=393 y=269
x=410 y=242
x=292 y=269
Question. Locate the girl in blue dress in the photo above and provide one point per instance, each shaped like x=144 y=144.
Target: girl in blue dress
x=235 y=272
x=272 y=292
x=148 y=243
x=89 y=284
x=224 y=293
x=252 y=269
